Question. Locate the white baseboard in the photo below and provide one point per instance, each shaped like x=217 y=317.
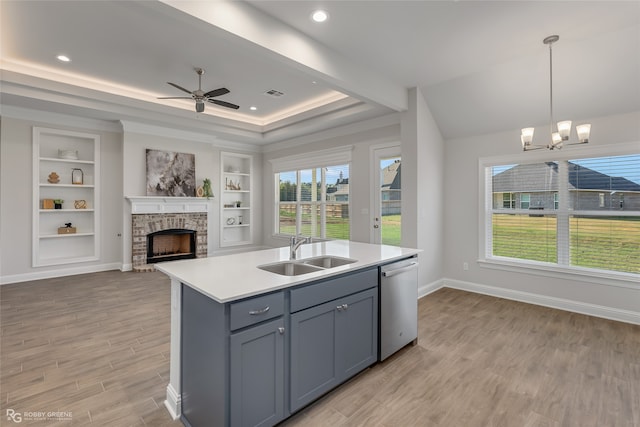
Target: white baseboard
x=626 y=316
x=48 y=274
x=429 y=288
x=173 y=403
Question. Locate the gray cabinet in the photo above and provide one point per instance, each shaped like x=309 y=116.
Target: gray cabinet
x=232 y=370
x=239 y=360
x=257 y=375
x=333 y=341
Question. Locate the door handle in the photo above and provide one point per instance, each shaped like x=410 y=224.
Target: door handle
x=400 y=270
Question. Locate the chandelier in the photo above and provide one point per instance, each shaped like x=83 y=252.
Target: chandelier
x=563 y=132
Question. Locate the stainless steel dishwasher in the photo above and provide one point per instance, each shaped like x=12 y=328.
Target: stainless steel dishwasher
x=398 y=306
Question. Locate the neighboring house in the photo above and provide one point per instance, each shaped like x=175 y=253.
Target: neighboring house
x=339 y=192
x=535 y=186
x=391 y=188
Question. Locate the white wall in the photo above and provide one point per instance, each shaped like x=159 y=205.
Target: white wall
x=16 y=188
x=461 y=225
x=422 y=188
x=137 y=139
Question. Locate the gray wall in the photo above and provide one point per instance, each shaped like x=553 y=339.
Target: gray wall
x=16 y=188
x=461 y=225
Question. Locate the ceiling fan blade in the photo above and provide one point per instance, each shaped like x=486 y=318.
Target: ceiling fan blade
x=179 y=87
x=224 y=104
x=176 y=97
x=216 y=92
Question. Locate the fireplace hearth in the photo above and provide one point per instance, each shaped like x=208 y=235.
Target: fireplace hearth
x=171 y=245
x=159 y=237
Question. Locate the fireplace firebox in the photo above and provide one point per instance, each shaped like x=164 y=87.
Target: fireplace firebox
x=170 y=245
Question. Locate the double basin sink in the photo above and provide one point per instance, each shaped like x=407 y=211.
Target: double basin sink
x=307 y=265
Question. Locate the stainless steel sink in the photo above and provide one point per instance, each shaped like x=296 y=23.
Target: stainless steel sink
x=288 y=268
x=328 y=261
x=307 y=265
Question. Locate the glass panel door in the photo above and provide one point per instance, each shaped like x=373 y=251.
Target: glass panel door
x=387 y=215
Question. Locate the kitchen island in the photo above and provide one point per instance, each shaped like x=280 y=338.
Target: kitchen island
x=250 y=346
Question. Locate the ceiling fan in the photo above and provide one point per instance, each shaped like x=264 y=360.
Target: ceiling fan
x=200 y=97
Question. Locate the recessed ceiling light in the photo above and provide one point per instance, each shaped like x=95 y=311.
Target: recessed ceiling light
x=253 y=108
x=63 y=58
x=319 y=16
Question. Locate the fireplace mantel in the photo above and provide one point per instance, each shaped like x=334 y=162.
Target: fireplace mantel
x=162 y=204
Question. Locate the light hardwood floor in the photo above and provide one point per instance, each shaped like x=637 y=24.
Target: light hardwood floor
x=97 y=345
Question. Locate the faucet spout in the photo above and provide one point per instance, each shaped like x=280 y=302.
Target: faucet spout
x=295 y=243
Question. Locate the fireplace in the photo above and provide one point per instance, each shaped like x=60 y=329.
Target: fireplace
x=153 y=222
x=170 y=245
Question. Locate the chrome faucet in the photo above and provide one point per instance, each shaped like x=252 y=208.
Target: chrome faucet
x=295 y=243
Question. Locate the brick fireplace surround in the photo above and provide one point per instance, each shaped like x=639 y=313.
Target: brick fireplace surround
x=150 y=215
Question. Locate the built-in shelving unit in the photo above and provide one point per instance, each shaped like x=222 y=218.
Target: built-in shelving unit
x=62 y=151
x=236 y=201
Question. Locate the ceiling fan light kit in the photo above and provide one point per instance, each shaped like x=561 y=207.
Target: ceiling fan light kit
x=563 y=132
x=200 y=96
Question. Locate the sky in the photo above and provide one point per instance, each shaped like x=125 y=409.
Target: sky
x=333 y=173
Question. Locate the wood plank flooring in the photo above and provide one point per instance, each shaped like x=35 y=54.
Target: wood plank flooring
x=97 y=345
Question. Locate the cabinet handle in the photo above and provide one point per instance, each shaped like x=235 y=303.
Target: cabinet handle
x=345 y=306
x=281 y=330
x=339 y=308
x=262 y=311
x=342 y=307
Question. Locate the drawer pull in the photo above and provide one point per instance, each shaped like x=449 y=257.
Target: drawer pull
x=261 y=311
x=281 y=330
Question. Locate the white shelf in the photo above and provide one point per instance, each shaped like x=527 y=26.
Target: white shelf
x=236 y=172
x=50 y=248
x=60 y=236
x=48 y=184
x=58 y=160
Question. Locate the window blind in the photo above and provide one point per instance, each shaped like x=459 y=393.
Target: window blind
x=581 y=212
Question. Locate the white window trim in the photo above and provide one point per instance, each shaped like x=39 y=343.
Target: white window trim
x=567 y=272
x=298 y=162
x=315 y=159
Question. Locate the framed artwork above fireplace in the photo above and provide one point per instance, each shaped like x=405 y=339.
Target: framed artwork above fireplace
x=170 y=174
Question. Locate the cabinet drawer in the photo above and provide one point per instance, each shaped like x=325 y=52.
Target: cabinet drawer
x=255 y=310
x=318 y=293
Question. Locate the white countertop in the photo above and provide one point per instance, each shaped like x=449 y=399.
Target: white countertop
x=231 y=277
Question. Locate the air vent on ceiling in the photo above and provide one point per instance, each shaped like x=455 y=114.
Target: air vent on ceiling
x=274 y=93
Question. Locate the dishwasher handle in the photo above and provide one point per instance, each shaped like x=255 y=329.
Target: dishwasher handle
x=390 y=273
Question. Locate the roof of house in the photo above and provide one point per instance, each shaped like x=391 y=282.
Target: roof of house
x=544 y=177
x=391 y=176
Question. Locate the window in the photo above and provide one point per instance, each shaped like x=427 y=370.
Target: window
x=578 y=213
x=314 y=202
x=508 y=201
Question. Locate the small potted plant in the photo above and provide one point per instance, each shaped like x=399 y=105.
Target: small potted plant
x=238 y=203
x=57 y=203
x=206 y=188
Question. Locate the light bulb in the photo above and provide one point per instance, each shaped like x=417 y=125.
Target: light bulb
x=564 y=129
x=583 y=132
x=527 y=136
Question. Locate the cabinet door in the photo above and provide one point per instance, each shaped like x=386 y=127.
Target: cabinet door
x=313 y=354
x=257 y=375
x=357 y=333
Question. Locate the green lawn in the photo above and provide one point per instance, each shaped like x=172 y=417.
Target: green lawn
x=338 y=227
x=605 y=243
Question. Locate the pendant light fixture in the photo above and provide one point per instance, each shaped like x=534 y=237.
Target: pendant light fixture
x=563 y=132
